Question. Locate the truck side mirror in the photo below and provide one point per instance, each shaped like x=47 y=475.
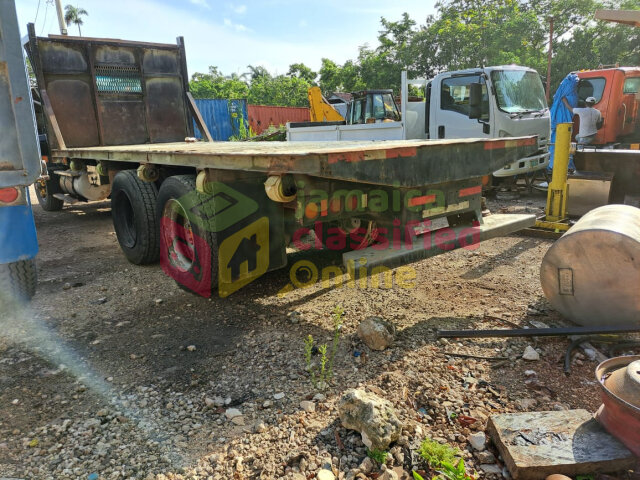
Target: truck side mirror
x=475 y=100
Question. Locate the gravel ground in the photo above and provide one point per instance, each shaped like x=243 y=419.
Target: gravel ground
x=115 y=371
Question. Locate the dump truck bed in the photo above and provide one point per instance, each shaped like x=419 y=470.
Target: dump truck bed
x=407 y=163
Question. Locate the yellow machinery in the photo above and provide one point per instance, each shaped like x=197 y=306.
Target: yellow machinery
x=319 y=109
x=556 y=212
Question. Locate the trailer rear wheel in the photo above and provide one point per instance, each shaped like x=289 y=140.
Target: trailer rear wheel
x=18 y=280
x=133 y=210
x=188 y=248
x=45 y=189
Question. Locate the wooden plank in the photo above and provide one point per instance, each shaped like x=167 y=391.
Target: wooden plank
x=569 y=442
x=48 y=110
x=195 y=111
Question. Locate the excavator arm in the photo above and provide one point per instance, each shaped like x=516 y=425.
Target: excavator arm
x=319 y=109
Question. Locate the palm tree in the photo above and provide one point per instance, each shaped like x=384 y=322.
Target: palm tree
x=73 y=15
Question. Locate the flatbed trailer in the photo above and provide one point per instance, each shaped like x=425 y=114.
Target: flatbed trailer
x=221 y=214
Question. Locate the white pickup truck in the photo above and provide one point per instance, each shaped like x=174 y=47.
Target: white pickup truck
x=507 y=101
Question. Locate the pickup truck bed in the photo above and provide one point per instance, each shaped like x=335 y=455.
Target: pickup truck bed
x=407 y=163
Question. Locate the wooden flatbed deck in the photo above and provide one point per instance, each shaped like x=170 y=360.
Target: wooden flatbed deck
x=409 y=163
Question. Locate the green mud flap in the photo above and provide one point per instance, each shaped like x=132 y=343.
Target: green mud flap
x=434 y=243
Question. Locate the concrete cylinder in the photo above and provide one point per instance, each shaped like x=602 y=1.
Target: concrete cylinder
x=591 y=275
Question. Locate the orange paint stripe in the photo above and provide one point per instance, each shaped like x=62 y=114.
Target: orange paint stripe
x=402 y=152
x=423 y=200
x=352 y=157
x=467 y=192
x=499 y=144
x=349 y=157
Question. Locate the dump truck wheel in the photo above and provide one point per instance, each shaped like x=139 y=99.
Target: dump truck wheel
x=188 y=246
x=18 y=281
x=45 y=189
x=133 y=210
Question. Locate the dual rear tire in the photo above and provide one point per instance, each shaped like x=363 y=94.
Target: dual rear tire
x=170 y=225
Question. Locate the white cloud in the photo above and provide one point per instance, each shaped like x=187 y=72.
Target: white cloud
x=238 y=27
x=201 y=3
x=229 y=45
x=240 y=9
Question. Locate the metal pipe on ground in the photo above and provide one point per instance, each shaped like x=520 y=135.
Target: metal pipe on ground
x=538 y=332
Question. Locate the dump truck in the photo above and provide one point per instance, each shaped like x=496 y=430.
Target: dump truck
x=20 y=166
x=119 y=119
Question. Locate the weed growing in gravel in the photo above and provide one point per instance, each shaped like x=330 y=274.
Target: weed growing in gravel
x=442 y=458
x=308 y=352
x=436 y=453
x=379 y=456
x=323 y=363
x=338 y=312
x=326 y=357
x=447 y=471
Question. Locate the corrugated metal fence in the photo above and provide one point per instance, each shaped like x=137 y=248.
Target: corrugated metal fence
x=222 y=117
x=261 y=116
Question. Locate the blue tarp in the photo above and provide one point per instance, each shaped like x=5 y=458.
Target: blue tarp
x=560 y=113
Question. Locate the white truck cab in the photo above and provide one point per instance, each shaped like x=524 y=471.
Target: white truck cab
x=491 y=102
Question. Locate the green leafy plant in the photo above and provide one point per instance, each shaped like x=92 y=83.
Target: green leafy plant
x=379 y=456
x=416 y=475
x=323 y=363
x=449 y=471
x=308 y=352
x=436 y=454
x=338 y=312
x=320 y=377
x=244 y=130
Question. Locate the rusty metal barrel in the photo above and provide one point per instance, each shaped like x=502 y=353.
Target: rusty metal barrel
x=591 y=275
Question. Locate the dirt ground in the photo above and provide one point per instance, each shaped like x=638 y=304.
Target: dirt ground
x=115 y=372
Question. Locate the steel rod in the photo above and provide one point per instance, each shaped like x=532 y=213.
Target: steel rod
x=536 y=332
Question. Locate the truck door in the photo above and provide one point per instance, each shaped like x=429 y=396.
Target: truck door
x=452 y=111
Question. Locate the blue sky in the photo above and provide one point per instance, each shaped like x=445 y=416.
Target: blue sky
x=234 y=34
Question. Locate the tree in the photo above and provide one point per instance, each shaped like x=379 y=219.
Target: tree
x=257 y=72
x=74 y=15
x=300 y=70
x=330 y=74
x=215 y=85
x=282 y=90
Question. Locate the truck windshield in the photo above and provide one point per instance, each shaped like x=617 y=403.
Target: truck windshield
x=518 y=91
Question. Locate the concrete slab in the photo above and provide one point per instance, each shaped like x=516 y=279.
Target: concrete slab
x=536 y=444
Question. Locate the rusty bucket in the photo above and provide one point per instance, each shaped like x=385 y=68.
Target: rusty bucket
x=619 y=414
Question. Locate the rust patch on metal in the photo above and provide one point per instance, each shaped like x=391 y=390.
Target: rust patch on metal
x=6 y=166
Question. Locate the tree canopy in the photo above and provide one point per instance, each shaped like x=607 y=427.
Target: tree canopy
x=74 y=15
x=461 y=34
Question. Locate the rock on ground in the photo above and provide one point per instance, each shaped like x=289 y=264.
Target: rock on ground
x=376 y=333
x=478 y=441
x=530 y=354
x=372 y=416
